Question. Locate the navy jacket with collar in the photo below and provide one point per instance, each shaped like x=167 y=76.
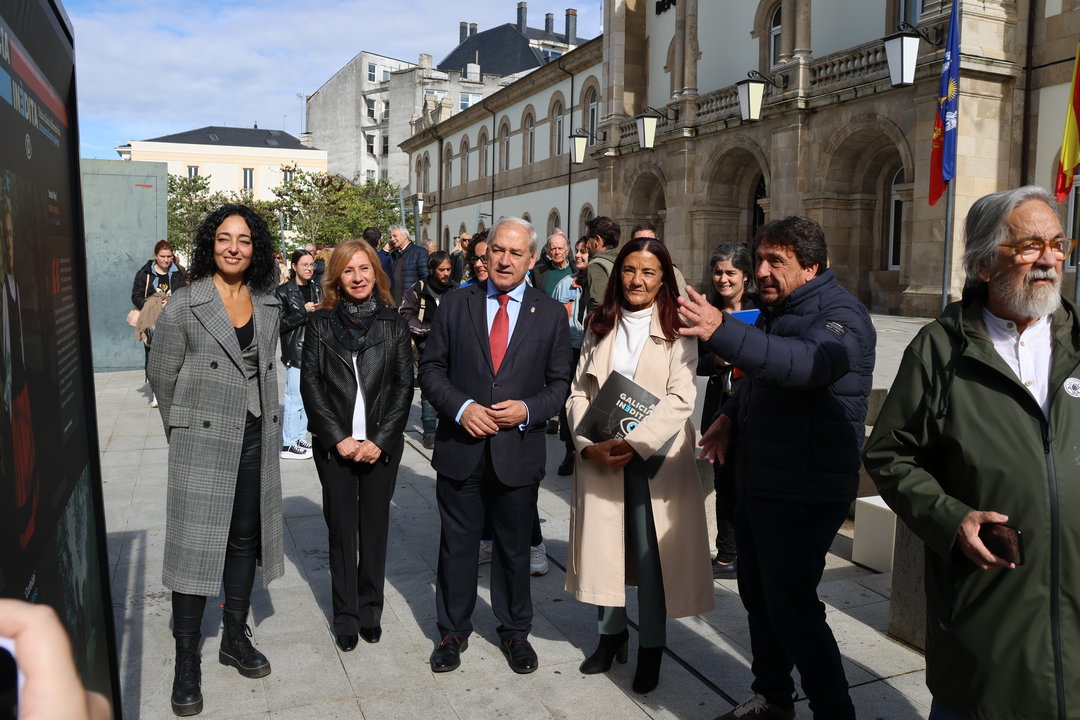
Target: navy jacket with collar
x=799 y=415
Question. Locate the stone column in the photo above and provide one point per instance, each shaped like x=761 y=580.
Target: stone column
x=678 y=66
x=787 y=30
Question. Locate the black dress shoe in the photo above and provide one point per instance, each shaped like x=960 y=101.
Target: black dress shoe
x=447 y=656
x=725 y=571
x=520 y=655
x=347 y=642
x=371 y=634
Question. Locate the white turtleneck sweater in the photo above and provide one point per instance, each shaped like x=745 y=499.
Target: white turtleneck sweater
x=631 y=332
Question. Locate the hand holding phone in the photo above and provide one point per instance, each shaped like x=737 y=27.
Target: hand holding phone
x=1005 y=541
x=969 y=539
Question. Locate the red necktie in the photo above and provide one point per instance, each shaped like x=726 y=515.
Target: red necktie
x=500 y=332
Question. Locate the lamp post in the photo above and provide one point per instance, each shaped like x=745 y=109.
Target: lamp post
x=752 y=93
x=579 y=141
x=646 y=126
x=418 y=204
x=902 y=52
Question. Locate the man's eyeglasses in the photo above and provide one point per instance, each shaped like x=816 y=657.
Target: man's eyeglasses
x=1031 y=250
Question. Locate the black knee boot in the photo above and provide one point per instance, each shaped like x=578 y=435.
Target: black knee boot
x=611 y=647
x=187 y=680
x=236 y=648
x=647 y=675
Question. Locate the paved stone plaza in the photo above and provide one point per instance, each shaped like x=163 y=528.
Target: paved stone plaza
x=705 y=671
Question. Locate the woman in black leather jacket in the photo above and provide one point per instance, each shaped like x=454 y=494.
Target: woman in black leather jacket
x=356 y=341
x=299 y=297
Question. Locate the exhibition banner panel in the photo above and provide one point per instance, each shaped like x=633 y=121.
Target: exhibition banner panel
x=52 y=534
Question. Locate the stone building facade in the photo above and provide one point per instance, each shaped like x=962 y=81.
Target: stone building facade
x=510 y=155
x=364 y=112
x=838 y=143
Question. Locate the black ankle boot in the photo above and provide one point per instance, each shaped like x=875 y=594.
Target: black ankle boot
x=187 y=680
x=237 y=650
x=611 y=647
x=647 y=675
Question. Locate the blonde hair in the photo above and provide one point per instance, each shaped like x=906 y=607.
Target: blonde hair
x=341 y=256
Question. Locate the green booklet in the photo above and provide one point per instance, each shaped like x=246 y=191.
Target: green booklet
x=616 y=410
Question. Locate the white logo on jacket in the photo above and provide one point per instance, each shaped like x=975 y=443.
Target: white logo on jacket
x=1072 y=386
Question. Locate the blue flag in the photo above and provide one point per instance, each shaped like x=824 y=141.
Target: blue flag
x=943 y=143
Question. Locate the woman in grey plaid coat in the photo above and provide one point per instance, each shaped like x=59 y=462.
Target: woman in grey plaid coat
x=212 y=369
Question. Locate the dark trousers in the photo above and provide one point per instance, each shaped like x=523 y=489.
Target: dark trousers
x=724 y=485
x=462 y=504
x=242 y=549
x=356 y=506
x=782 y=547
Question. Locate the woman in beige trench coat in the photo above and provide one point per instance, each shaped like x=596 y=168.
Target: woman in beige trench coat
x=625 y=527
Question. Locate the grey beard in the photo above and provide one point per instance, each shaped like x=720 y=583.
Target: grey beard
x=1023 y=301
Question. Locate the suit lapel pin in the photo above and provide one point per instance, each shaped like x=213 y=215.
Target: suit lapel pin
x=532 y=309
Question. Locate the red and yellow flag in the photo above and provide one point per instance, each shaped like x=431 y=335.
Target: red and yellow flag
x=1070 y=139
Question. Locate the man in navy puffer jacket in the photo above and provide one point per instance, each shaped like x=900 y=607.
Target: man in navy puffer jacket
x=797 y=423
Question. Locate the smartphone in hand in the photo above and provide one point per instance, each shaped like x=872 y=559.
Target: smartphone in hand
x=1005 y=541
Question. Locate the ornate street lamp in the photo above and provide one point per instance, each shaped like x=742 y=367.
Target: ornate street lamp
x=579 y=141
x=902 y=52
x=646 y=126
x=752 y=93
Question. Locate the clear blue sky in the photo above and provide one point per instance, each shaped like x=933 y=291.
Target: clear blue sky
x=151 y=68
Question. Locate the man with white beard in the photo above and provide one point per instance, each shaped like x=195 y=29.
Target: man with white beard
x=976 y=449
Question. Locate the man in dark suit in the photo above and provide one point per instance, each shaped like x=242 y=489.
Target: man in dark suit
x=496 y=367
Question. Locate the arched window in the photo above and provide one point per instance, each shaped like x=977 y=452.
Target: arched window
x=448 y=175
x=464 y=160
x=584 y=217
x=553 y=222
x=774 y=36
x=896 y=222
x=426 y=187
x=419 y=175
x=446 y=238
x=558 y=142
x=594 y=116
x=482 y=154
x=504 y=147
x=529 y=127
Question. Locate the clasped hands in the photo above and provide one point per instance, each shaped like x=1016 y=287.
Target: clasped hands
x=614 y=453
x=363 y=451
x=480 y=421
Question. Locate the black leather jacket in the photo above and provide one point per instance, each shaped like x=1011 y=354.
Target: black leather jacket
x=293 y=320
x=328 y=381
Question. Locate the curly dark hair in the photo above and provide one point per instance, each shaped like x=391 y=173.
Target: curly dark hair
x=262 y=274
x=603 y=319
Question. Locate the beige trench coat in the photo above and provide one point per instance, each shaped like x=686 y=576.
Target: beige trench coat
x=597 y=571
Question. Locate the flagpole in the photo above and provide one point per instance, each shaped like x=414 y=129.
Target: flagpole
x=947 y=273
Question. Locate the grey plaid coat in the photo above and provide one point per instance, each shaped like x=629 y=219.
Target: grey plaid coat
x=195 y=372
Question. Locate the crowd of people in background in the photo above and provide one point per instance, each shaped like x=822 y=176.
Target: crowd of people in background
x=510 y=339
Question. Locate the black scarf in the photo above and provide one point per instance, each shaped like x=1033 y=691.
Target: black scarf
x=351 y=321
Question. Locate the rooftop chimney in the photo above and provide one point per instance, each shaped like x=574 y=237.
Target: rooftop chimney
x=472 y=29
x=549 y=23
x=521 y=17
x=463 y=32
x=571 y=26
